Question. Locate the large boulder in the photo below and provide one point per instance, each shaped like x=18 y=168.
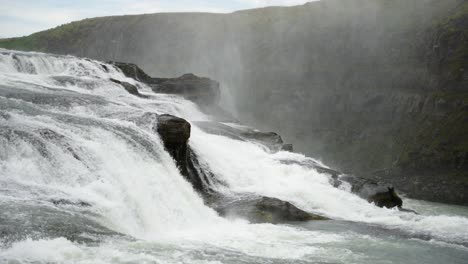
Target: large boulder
x=265 y=210
x=380 y=194
x=388 y=199
x=175 y=133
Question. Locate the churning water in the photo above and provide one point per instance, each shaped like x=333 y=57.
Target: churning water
x=84 y=179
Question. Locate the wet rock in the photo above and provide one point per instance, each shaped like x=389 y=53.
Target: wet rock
x=388 y=199
x=200 y=176
x=175 y=133
x=201 y=90
x=59 y=202
x=19 y=221
x=104 y=67
x=407 y=210
x=378 y=193
x=265 y=210
x=287 y=147
x=269 y=139
x=132 y=71
x=198 y=89
x=130 y=88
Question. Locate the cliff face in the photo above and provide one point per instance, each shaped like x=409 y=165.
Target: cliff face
x=375 y=88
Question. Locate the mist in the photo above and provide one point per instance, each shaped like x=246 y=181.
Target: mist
x=166 y=137
x=279 y=64
x=352 y=83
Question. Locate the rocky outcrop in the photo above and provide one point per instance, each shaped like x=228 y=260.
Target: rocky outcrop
x=265 y=210
x=287 y=147
x=175 y=133
x=381 y=194
x=198 y=89
x=201 y=90
x=388 y=199
x=130 y=88
x=132 y=70
x=271 y=140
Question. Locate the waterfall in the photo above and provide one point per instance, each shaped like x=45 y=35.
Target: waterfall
x=68 y=133
x=59 y=142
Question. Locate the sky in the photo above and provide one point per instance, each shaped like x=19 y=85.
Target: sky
x=23 y=17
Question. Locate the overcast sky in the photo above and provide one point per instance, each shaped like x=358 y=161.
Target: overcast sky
x=23 y=17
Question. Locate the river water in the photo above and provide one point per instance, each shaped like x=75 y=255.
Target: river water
x=84 y=179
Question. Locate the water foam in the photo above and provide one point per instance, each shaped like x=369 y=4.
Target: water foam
x=101 y=152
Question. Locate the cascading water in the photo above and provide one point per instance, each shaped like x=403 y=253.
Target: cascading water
x=84 y=179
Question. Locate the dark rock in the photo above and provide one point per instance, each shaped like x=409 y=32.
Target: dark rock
x=201 y=90
x=269 y=139
x=130 y=88
x=407 y=210
x=334 y=174
x=374 y=192
x=367 y=189
x=388 y=199
x=379 y=193
x=68 y=202
x=265 y=210
x=132 y=71
x=370 y=190
x=105 y=68
x=287 y=147
x=201 y=177
x=175 y=132
x=198 y=89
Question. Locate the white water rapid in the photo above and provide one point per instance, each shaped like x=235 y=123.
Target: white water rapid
x=68 y=133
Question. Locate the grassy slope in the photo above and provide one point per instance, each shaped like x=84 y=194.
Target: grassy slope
x=44 y=40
